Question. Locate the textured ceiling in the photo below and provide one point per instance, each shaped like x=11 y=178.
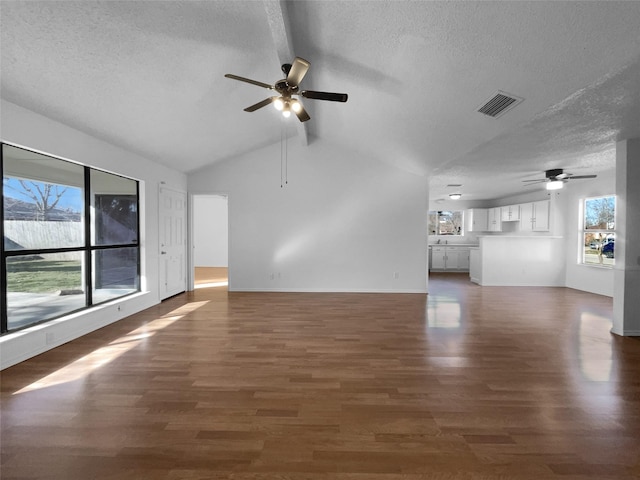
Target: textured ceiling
x=149 y=76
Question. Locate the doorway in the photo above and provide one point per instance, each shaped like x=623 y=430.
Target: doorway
x=210 y=244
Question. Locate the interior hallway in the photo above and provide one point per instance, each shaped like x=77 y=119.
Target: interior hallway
x=211 y=276
x=469 y=382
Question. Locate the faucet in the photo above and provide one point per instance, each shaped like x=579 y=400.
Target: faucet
x=438 y=242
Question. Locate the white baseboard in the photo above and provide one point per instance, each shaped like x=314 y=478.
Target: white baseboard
x=323 y=290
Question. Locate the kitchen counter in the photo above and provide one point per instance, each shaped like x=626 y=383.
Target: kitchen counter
x=468 y=245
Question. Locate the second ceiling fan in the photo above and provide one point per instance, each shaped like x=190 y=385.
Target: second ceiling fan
x=555 y=178
x=287 y=88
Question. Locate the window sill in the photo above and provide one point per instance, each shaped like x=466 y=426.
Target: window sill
x=594 y=265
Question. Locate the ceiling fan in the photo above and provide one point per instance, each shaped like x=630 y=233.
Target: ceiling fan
x=556 y=178
x=287 y=88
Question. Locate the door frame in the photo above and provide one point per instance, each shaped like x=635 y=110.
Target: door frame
x=191 y=267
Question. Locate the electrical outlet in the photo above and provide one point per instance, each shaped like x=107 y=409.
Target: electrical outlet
x=396 y=275
x=272 y=276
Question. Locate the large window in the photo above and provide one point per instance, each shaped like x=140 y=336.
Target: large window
x=598 y=231
x=70 y=237
x=446 y=222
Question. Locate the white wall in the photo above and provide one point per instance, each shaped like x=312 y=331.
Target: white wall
x=30 y=130
x=589 y=278
x=210 y=231
x=344 y=222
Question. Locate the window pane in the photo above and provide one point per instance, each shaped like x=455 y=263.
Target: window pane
x=115 y=204
x=40 y=287
x=599 y=213
x=43 y=201
x=116 y=273
x=445 y=222
x=599 y=248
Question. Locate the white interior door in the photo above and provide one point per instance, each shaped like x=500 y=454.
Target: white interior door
x=173 y=245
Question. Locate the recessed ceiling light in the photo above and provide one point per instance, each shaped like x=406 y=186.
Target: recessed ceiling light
x=455 y=196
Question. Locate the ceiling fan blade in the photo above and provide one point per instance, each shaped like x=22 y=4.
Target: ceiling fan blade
x=332 y=97
x=248 y=80
x=574 y=177
x=539 y=180
x=302 y=115
x=298 y=71
x=261 y=104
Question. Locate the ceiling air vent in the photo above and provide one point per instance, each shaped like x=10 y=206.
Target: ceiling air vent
x=499 y=104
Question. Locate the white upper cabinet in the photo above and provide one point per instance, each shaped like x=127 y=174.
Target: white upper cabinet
x=477 y=220
x=510 y=213
x=534 y=216
x=495 y=219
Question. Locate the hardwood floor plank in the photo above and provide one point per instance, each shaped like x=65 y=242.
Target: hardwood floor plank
x=468 y=383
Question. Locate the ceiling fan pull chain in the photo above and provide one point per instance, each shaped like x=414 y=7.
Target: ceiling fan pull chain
x=284 y=146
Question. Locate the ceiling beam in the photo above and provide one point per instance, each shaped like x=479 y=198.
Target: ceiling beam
x=281 y=32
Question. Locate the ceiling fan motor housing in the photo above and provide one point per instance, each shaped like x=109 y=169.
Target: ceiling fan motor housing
x=552 y=174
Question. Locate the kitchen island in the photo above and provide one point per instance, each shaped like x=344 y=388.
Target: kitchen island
x=510 y=260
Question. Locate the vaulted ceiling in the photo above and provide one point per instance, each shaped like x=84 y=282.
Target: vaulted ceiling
x=149 y=76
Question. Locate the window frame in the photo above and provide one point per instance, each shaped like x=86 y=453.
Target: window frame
x=86 y=249
x=605 y=232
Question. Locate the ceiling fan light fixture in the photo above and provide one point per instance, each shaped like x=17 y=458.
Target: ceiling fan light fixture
x=455 y=196
x=295 y=106
x=554 y=185
x=286 y=113
x=278 y=104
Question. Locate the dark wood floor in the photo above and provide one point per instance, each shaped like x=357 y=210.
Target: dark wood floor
x=468 y=383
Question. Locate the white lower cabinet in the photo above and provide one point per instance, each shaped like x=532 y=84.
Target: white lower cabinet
x=438 y=258
x=447 y=258
x=475 y=266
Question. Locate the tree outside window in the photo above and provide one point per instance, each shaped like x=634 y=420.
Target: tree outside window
x=598 y=234
x=446 y=222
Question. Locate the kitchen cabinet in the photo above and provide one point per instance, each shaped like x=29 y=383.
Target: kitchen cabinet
x=534 y=216
x=494 y=220
x=510 y=213
x=449 y=258
x=477 y=220
x=461 y=256
x=438 y=258
x=475 y=266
